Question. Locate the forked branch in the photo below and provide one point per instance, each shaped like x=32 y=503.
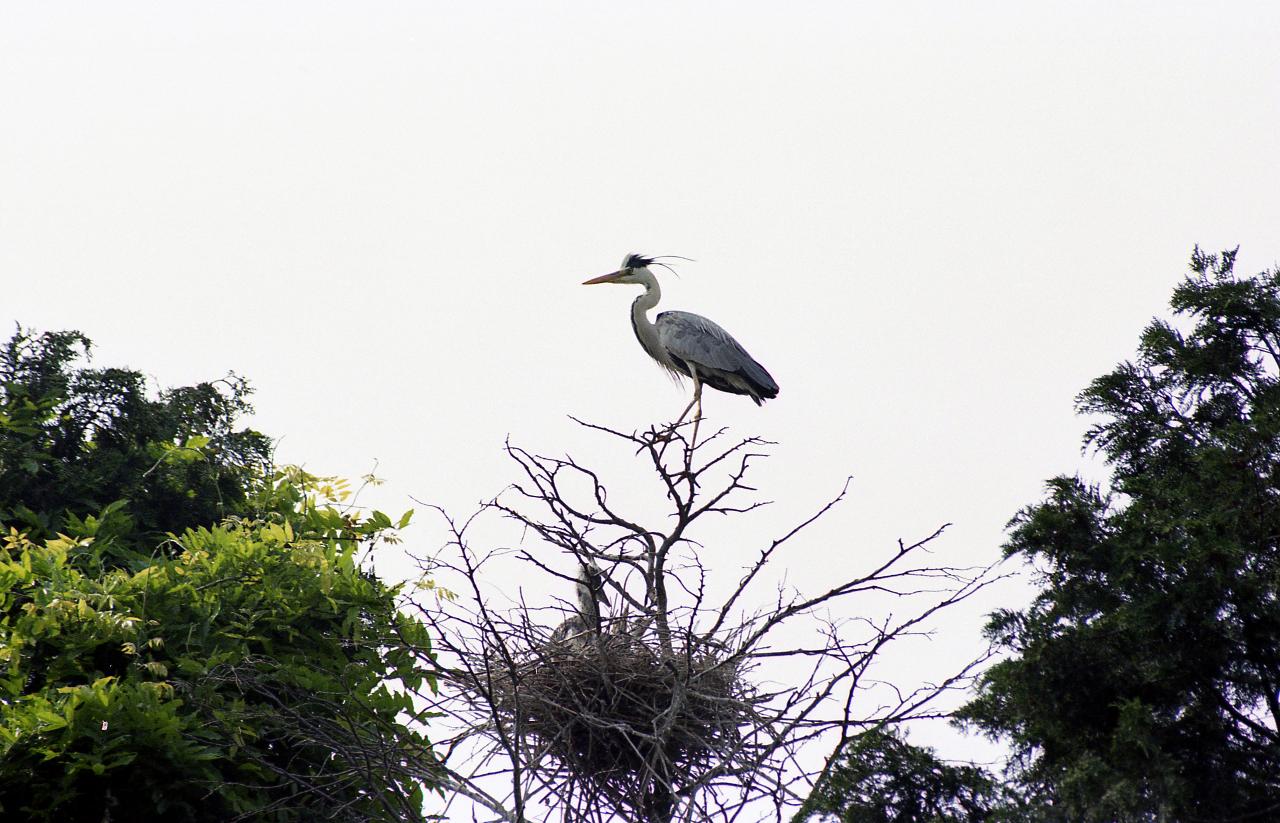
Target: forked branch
x=666 y=704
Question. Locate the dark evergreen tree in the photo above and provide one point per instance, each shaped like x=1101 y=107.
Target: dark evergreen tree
x=881 y=778
x=1143 y=682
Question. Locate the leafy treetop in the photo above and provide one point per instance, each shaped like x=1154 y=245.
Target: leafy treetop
x=1144 y=679
x=74 y=440
x=184 y=633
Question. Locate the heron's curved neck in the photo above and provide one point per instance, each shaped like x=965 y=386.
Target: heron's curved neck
x=646 y=332
x=652 y=293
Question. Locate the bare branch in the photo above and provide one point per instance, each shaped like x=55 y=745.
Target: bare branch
x=666 y=705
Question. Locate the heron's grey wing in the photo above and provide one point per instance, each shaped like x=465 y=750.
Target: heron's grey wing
x=695 y=339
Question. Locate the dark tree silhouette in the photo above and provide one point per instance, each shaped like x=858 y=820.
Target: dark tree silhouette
x=1143 y=683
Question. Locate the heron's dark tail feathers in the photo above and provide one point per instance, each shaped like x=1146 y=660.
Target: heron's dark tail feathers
x=763 y=386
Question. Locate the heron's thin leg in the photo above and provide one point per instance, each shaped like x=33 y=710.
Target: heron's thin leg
x=680 y=419
x=697 y=397
x=671 y=430
x=668 y=433
x=697 y=415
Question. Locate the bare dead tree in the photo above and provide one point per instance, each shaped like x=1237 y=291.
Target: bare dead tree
x=673 y=704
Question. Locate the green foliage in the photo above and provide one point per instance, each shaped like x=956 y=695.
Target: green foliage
x=251 y=670
x=74 y=441
x=1143 y=680
x=881 y=778
x=243 y=664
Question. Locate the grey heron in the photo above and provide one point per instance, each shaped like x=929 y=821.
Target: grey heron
x=687 y=344
x=590 y=590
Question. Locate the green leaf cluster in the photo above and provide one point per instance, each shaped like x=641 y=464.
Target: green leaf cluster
x=74 y=440
x=1143 y=682
x=241 y=664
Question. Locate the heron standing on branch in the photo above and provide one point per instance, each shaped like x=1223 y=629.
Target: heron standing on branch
x=689 y=344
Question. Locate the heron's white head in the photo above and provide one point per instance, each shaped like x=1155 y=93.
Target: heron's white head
x=635 y=269
x=591 y=583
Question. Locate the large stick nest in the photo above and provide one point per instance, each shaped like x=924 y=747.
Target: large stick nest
x=614 y=711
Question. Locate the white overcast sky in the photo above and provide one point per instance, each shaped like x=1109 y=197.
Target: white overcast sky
x=934 y=223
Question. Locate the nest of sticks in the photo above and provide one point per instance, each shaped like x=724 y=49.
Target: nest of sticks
x=612 y=710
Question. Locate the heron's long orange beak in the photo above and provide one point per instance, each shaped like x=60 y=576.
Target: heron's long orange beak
x=604 y=278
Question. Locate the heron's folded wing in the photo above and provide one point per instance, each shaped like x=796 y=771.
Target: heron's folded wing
x=695 y=339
